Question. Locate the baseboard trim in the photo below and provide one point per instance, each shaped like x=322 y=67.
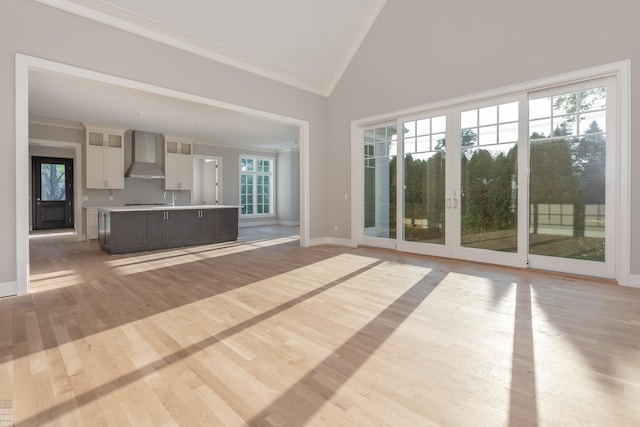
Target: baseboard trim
x=289 y=223
x=257 y=223
x=8 y=289
x=634 y=281
x=329 y=241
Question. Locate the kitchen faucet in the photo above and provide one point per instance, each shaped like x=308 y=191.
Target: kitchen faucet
x=173 y=197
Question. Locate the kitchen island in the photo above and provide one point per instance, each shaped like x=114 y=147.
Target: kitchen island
x=126 y=229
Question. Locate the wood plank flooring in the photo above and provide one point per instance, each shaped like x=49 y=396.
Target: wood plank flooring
x=262 y=332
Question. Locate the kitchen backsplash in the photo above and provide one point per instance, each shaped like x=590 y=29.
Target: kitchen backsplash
x=136 y=191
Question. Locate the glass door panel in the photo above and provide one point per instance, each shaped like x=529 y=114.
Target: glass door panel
x=424 y=180
x=489 y=178
x=380 y=153
x=570 y=152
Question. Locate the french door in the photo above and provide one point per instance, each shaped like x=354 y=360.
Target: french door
x=524 y=180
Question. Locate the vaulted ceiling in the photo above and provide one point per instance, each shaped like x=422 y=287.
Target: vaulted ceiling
x=303 y=43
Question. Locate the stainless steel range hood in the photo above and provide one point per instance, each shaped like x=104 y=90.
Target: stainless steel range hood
x=145 y=162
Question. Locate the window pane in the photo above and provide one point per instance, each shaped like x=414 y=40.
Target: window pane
x=540 y=108
x=381 y=149
x=508 y=112
x=593 y=122
x=564 y=126
x=409 y=129
x=593 y=99
x=423 y=127
x=564 y=104
x=488 y=135
x=508 y=133
x=424 y=197
x=540 y=129
x=423 y=144
x=439 y=124
x=488 y=115
x=488 y=210
x=409 y=145
x=369 y=136
x=52 y=182
x=469 y=119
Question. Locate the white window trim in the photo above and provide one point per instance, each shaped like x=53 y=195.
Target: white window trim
x=620 y=70
x=272 y=193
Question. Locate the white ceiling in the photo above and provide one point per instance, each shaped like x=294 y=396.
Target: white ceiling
x=304 y=43
x=70 y=99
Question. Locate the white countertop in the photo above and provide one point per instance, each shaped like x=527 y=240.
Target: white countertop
x=137 y=208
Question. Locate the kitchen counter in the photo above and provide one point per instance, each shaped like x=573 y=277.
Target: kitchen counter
x=133 y=208
x=126 y=229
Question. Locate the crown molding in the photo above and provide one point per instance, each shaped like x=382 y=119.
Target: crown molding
x=57 y=123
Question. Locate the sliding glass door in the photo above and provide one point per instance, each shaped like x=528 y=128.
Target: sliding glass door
x=572 y=178
x=525 y=180
x=460 y=182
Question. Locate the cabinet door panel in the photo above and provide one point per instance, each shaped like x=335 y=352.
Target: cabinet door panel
x=114 y=168
x=127 y=232
x=208 y=225
x=95 y=168
x=186 y=172
x=155 y=229
x=173 y=229
x=226 y=224
x=171 y=170
x=191 y=227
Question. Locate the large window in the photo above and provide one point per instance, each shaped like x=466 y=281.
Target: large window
x=257 y=190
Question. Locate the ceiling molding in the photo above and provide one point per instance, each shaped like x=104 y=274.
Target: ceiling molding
x=120 y=19
x=55 y=123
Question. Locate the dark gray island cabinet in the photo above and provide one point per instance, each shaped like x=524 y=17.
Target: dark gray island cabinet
x=137 y=229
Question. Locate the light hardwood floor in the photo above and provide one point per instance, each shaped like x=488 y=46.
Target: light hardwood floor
x=263 y=332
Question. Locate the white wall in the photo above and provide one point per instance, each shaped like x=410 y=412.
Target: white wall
x=288 y=188
x=41 y=31
x=420 y=52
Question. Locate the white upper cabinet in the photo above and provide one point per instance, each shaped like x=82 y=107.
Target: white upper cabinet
x=105 y=157
x=178 y=164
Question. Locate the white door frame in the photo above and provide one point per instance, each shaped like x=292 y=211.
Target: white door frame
x=25 y=63
x=218 y=159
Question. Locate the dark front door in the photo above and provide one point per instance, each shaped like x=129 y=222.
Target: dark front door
x=52 y=193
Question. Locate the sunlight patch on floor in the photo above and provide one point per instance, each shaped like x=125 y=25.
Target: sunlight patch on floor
x=54 y=280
